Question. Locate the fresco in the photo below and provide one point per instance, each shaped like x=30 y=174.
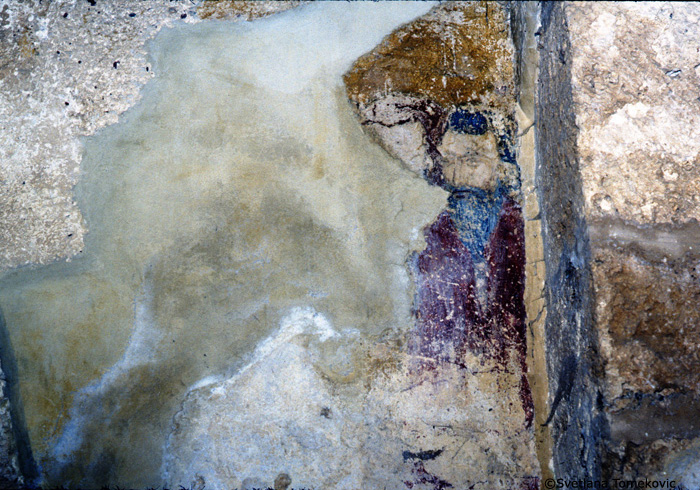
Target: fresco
x=452 y=122
x=471 y=276
x=304 y=266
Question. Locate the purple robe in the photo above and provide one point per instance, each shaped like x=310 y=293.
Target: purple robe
x=456 y=315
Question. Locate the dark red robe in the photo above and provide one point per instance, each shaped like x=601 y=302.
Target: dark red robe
x=453 y=317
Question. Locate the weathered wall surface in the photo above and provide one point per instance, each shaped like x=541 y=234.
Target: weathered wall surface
x=10 y=475
x=362 y=353
x=206 y=236
x=68 y=69
x=633 y=129
x=444 y=403
x=245 y=283
x=17 y=465
x=576 y=421
x=432 y=81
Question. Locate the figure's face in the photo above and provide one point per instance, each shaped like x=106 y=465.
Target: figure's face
x=470 y=160
x=406 y=127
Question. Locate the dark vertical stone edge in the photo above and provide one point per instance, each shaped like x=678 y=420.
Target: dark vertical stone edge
x=578 y=425
x=27 y=464
x=517 y=32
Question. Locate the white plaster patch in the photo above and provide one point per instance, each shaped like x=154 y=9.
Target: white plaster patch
x=287 y=52
x=270 y=415
x=300 y=321
x=604 y=29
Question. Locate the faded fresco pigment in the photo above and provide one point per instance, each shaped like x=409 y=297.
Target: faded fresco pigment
x=473 y=299
x=470 y=277
x=454 y=126
x=279 y=293
x=470 y=282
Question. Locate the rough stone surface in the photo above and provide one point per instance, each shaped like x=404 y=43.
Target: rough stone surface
x=634 y=82
x=649 y=314
x=577 y=424
x=66 y=70
x=634 y=79
x=243 y=10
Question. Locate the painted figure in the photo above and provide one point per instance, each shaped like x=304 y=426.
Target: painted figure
x=470 y=277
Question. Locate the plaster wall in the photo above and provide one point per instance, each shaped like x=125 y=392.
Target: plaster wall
x=183 y=216
x=225 y=169
x=242 y=172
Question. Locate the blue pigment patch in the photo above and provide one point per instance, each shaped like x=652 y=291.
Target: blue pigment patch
x=464 y=121
x=475 y=213
x=477 y=123
x=505 y=149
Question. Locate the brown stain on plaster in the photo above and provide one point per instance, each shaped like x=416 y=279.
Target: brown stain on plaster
x=453 y=55
x=242 y=9
x=382 y=358
x=26 y=44
x=48 y=392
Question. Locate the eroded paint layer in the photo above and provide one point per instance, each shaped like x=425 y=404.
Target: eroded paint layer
x=454 y=55
x=438 y=95
x=472 y=300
